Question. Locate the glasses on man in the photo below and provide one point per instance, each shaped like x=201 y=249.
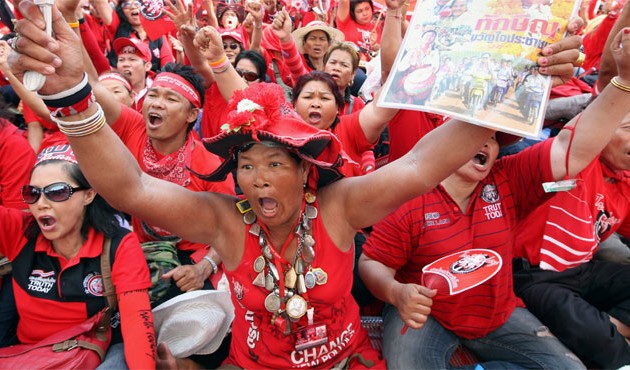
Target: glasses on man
x=247 y=75
x=131 y=4
x=231 y=45
x=56 y=192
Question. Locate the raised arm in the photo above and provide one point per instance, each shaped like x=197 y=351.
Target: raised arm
x=373 y=119
x=607 y=65
x=392 y=32
x=592 y=130
x=343 y=10
x=282 y=26
x=255 y=11
x=111 y=169
x=225 y=76
x=431 y=160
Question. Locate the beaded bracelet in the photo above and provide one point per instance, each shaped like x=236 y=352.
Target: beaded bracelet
x=615 y=82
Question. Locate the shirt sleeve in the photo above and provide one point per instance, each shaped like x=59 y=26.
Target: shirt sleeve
x=129 y=270
x=12 y=222
x=391 y=239
x=16 y=161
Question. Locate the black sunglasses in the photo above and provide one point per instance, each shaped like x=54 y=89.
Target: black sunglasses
x=247 y=75
x=56 y=192
x=232 y=46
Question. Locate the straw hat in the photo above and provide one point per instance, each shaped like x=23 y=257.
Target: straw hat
x=194 y=322
x=298 y=35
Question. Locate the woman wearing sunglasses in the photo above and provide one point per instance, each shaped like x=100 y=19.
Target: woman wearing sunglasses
x=55 y=251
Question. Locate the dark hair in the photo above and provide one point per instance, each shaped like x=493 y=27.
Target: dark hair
x=308 y=33
x=189 y=74
x=257 y=60
x=354 y=3
x=318 y=76
x=99 y=215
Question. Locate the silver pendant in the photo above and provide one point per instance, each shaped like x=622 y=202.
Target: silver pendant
x=269 y=283
x=299 y=266
x=301 y=286
x=309 y=280
x=274 y=271
x=267 y=253
x=259 y=280
x=310 y=212
x=261 y=240
x=259 y=264
x=321 y=277
x=272 y=302
x=308 y=253
x=255 y=229
x=296 y=307
x=249 y=218
x=290 y=277
x=309 y=241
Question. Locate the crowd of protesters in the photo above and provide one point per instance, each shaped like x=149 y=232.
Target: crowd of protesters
x=240 y=142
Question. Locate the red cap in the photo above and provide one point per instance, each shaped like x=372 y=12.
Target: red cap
x=233 y=34
x=123 y=45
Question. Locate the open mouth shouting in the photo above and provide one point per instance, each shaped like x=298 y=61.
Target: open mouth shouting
x=268 y=206
x=46 y=223
x=155 y=120
x=314 y=117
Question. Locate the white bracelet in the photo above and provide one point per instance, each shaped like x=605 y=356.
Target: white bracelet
x=99 y=112
x=215 y=268
x=69 y=92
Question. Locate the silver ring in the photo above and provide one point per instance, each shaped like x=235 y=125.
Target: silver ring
x=13 y=42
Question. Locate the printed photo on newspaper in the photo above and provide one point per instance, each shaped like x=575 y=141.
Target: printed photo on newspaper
x=475 y=60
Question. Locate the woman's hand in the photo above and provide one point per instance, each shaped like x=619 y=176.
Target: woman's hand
x=210 y=42
x=558 y=59
x=188 y=277
x=620 y=49
x=394 y=4
x=414 y=304
x=282 y=26
x=180 y=14
x=60 y=59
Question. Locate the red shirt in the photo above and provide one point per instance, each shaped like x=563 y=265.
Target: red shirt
x=352 y=138
x=257 y=343
x=432 y=226
x=609 y=204
x=16 y=161
x=41 y=317
x=359 y=34
x=100 y=31
x=214 y=112
x=406 y=128
x=52 y=135
x=132 y=131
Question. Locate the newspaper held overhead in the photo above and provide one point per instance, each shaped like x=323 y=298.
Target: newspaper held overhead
x=475 y=60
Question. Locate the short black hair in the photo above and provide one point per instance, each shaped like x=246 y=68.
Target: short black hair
x=188 y=73
x=257 y=59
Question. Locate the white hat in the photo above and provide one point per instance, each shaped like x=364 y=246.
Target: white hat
x=333 y=33
x=194 y=322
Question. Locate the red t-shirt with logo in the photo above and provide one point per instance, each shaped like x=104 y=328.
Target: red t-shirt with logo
x=40 y=317
x=433 y=226
x=359 y=34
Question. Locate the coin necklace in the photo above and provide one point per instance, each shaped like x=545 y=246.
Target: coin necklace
x=288 y=297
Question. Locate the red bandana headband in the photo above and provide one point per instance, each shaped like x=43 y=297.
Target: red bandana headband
x=115 y=77
x=179 y=85
x=57 y=152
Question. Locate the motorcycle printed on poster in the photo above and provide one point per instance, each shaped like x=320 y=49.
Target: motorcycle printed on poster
x=475 y=60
